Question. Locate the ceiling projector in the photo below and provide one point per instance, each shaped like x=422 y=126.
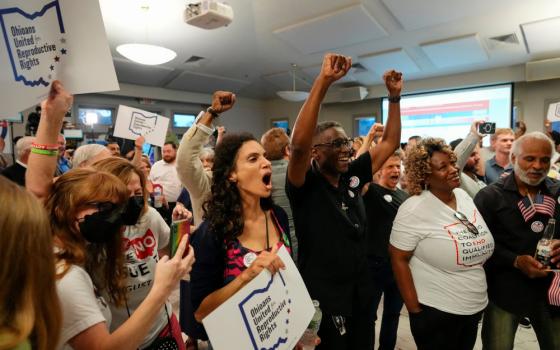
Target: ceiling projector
x=208 y=14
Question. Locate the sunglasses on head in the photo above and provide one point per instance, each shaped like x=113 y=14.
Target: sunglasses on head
x=463 y=219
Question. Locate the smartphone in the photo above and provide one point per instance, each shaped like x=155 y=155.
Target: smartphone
x=179 y=229
x=487 y=128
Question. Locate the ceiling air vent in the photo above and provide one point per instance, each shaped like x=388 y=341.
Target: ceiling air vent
x=500 y=40
x=358 y=68
x=194 y=59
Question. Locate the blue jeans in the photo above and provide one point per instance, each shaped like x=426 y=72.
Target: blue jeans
x=499 y=327
x=384 y=284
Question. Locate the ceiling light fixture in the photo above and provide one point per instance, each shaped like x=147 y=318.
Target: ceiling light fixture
x=293 y=95
x=146 y=53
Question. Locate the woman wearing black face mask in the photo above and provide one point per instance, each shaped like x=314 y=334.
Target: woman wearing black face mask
x=87 y=211
x=146 y=233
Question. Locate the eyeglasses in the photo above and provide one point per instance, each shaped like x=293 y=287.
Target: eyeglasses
x=106 y=207
x=337 y=144
x=463 y=218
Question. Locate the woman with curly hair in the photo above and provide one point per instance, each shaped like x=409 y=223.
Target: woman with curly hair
x=438 y=245
x=87 y=210
x=242 y=229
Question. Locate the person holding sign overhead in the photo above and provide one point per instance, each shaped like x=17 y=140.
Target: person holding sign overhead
x=87 y=210
x=438 y=245
x=324 y=189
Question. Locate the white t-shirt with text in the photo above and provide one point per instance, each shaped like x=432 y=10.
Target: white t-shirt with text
x=447 y=261
x=141 y=244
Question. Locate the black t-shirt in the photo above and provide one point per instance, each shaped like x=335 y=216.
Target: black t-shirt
x=382 y=205
x=330 y=224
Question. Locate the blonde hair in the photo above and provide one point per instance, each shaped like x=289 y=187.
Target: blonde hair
x=123 y=169
x=104 y=262
x=30 y=308
x=417 y=162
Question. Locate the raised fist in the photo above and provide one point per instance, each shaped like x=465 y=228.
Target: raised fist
x=222 y=101
x=58 y=102
x=393 y=82
x=335 y=66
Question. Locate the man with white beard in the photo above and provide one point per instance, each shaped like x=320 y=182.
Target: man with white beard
x=516 y=209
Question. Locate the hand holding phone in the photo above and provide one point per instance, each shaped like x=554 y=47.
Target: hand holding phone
x=487 y=128
x=179 y=229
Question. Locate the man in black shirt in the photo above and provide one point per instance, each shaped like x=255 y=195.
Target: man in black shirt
x=382 y=201
x=516 y=210
x=329 y=215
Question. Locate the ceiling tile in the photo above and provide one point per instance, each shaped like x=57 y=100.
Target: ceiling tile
x=416 y=14
x=205 y=83
x=284 y=80
x=542 y=36
x=134 y=73
x=456 y=51
x=333 y=30
x=395 y=59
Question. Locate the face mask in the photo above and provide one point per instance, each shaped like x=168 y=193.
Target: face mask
x=102 y=226
x=133 y=210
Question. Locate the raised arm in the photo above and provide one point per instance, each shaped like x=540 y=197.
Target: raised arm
x=467 y=146
x=138 y=144
x=392 y=135
x=189 y=166
x=334 y=67
x=42 y=165
x=375 y=130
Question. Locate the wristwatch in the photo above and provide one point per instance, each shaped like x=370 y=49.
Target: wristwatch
x=394 y=99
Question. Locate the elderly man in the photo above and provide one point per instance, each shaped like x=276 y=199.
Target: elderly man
x=516 y=210
x=16 y=172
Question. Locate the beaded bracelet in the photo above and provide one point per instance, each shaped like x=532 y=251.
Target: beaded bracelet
x=44 y=147
x=45 y=152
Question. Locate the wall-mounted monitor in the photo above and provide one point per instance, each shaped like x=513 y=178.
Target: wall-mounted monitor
x=183 y=120
x=18 y=118
x=104 y=115
x=449 y=114
x=281 y=123
x=363 y=124
x=73 y=134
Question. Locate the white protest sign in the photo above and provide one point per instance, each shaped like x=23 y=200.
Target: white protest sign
x=553 y=112
x=133 y=122
x=45 y=40
x=268 y=313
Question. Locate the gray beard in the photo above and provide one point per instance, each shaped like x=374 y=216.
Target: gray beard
x=523 y=176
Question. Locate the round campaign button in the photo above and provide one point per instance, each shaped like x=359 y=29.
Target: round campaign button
x=354 y=182
x=351 y=194
x=537 y=226
x=249 y=258
x=388 y=198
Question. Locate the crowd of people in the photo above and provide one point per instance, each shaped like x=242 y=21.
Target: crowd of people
x=447 y=230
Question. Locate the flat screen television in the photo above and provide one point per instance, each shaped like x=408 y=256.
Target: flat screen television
x=104 y=115
x=73 y=134
x=449 y=114
x=181 y=120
